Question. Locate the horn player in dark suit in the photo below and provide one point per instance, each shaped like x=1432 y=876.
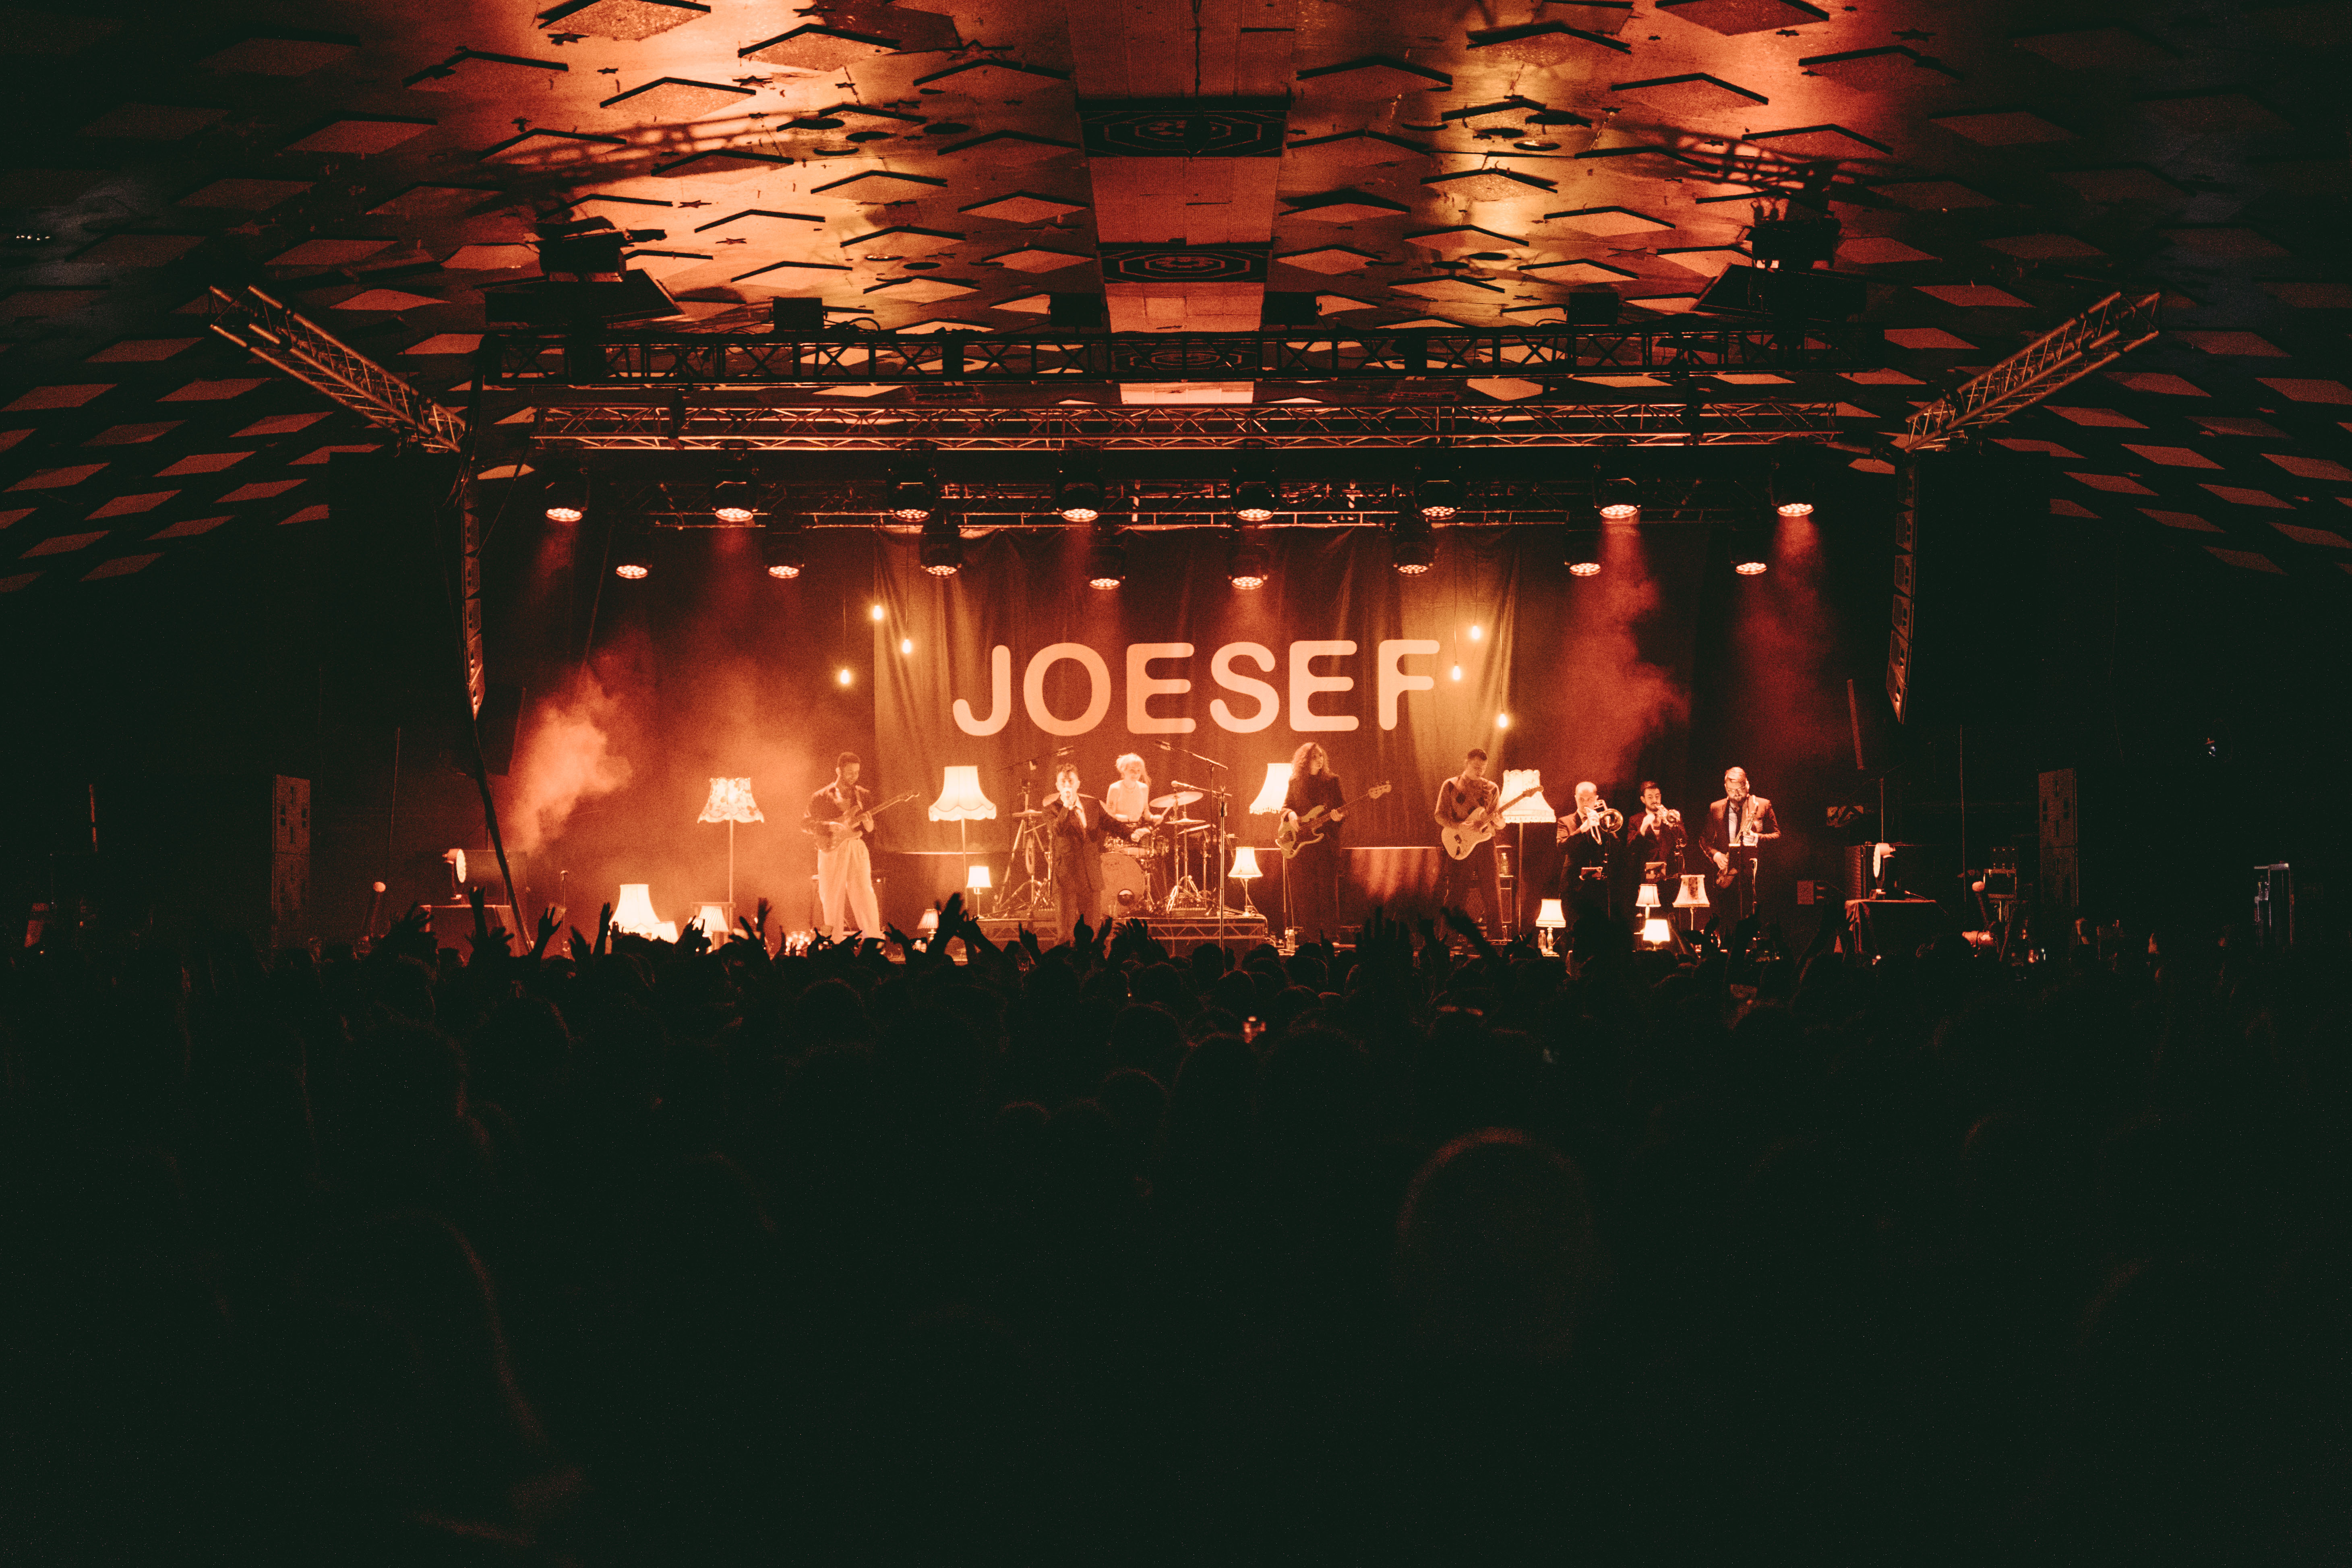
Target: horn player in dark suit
x=1736 y=825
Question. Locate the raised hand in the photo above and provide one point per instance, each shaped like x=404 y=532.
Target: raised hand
x=1029 y=940
x=604 y=931
x=760 y=919
x=551 y=919
x=583 y=953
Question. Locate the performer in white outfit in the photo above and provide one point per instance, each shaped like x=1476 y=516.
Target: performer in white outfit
x=1129 y=799
x=844 y=868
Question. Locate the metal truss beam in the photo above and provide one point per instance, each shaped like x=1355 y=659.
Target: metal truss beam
x=2068 y=352
x=618 y=427
x=878 y=358
x=285 y=340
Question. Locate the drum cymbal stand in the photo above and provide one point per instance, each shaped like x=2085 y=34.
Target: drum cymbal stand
x=1022 y=900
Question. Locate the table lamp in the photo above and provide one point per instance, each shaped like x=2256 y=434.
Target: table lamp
x=1245 y=869
x=977 y=881
x=1692 y=896
x=1656 y=932
x=1548 y=919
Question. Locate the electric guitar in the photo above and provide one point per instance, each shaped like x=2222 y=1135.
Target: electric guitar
x=831 y=836
x=1294 y=836
x=1462 y=836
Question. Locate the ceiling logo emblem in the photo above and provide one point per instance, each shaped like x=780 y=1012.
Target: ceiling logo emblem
x=1184 y=263
x=1184 y=127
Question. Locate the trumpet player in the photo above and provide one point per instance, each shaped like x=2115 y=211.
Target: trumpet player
x=1657 y=838
x=1589 y=831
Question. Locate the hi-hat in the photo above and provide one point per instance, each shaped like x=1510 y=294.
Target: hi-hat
x=1181 y=797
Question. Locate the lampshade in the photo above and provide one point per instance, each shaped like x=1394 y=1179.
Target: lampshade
x=1244 y=865
x=979 y=878
x=1550 y=916
x=457 y=858
x=1656 y=932
x=1275 y=789
x=1692 y=895
x=959 y=797
x=1535 y=808
x=635 y=913
x=711 y=921
x=1647 y=898
x=731 y=801
x=930 y=924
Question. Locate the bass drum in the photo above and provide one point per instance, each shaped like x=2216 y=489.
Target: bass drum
x=1126 y=885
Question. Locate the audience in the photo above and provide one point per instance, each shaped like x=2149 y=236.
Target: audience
x=1402 y=1251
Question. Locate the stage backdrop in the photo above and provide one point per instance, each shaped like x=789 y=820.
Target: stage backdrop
x=1016 y=660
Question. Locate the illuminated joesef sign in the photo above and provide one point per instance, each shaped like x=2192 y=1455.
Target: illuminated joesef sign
x=1391 y=682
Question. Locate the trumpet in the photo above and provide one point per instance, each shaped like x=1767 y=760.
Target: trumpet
x=1673 y=818
x=1606 y=817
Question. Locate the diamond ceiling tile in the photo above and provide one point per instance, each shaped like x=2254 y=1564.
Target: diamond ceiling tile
x=2101 y=419
x=1934 y=196
x=329 y=252
x=279 y=425
x=675 y=98
x=1022 y=208
x=2172 y=456
x=2303 y=296
x=791 y=277
x=439 y=344
x=2096 y=48
x=437 y=201
x=921 y=290
x=263 y=56
x=1345 y=207
x=1546 y=46
x=140 y=249
x=120 y=566
x=2326 y=538
x=2114 y=484
x=1374 y=76
x=2237 y=495
x=2233 y=243
x=1328 y=260
x=187 y=528
x=131 y=506
x=1693 y=93
x=1669 y=304
x=1339 y=304
x=492 y=258
x=1352 y=148
x=992 y=75
x=1462 y=239
x=245 y=196
x=214 y=391
x=1871 y=70
x=57 y=479
x=1449 y=289
x=261 y=492
x=203 y=463
x=816 y=47
x=152 y=121
x=1818 y=141
x=2156 y=381
x=1881 y=378
x=141 y=350
x=1733 y=18
x=2250 y=560
x=58 y=396
x=385 y=300
x=2123 y=183
x=66 y=543
x=764 y=223
x=1577 y=272
x=882 y=186
x=1487 y=184
x=470 y=70
x=946 y=324
x=308 y=514
x=1877 y=250
x=1027 y=259
x=1027 y=305
x=629 y=21
x=2048 y=448
x=999 y=148
x=2305 y=390
x=1607 y=220
x=1503 y=388
x=902 y=241
x=2059 y=507
x=132 y=435
x=2006 y=128
x=2220 y=425
x=2041 y=246
x=2183 y=520
x=1925 y=338
x=1713 y=260
x=2252 y=345
x=1975 y=296
x=362 y=136
x=2216 y=114
x=2312 y=468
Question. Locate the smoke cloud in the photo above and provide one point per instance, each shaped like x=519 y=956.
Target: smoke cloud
x=1617 y=701
x=567 y=755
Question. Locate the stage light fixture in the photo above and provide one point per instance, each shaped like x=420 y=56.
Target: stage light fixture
x=1248 y=563
x=1078 y=494
x=731 y=496
x=1413 y=548
x=633 y=552
x=914 y=491
x=1618 y=498
x=1795 y=467
x=566 y=496
x=1105 y=562
x=783 y=547
x=1257 y=495
x=1583 y=555
x=1748 y=557
x=942 y=547
x=1437 y=496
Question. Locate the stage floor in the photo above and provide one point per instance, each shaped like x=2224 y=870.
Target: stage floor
x=1238 y=929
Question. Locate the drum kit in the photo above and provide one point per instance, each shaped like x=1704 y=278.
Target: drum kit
x=1168 y=867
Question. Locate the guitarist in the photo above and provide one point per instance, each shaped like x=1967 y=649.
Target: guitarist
x=1470 y=797
x=1313 y=873
x=1736 y=825
x=845 y=871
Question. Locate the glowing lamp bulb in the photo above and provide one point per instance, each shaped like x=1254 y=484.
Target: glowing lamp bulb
x=632 y=570
x=1457 y=672
x=1749 y=568
x=1795 y=508
x=906 y=645
x=1584 y=569
x=876 y=613
x=1476 y=633
x=1502 y=720
x=842 y=676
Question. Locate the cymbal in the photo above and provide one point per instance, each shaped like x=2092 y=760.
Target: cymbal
x=1020 y=814
x=1181 y=797
x=1183 y=832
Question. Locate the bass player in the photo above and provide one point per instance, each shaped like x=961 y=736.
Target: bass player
x=1312 y=874
x=1469 y=802
x=839 y=816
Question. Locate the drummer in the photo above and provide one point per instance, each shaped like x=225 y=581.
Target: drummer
x=1129 y=802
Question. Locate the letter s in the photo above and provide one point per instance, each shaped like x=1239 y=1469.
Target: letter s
x=1269 y=700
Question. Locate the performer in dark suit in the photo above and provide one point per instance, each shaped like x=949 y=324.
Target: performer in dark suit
x=1591 y=833
x=1657 y=837
x=1074 y=837
x=1736 y=825
x=1313 y=873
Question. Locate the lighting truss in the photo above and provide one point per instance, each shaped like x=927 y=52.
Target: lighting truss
x=279 y=337
x=2068 y=352
x=871 y=358
x=638 y=427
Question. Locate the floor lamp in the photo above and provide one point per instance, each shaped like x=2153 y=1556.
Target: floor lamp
x=1270 y=797
x=960 y=801
x=1535 y=808
x=730 y=802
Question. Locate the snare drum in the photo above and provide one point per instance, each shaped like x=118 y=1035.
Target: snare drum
x=1126 y=886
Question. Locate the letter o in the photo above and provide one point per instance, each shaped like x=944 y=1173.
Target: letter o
x=1033 y=689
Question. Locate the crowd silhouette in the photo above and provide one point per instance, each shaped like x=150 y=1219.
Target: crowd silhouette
x=1409 y=1250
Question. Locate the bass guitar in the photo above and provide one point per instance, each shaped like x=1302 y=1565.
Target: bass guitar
x=831 y=836
x=1298 y=831
x=1479 y=827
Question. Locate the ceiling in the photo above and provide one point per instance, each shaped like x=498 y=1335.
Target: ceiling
x=954 y=166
